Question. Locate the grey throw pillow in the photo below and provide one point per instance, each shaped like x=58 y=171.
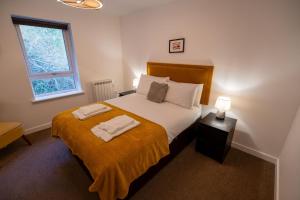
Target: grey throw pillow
x=157 y=92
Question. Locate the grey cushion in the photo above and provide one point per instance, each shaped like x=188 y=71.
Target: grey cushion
x=157 y=92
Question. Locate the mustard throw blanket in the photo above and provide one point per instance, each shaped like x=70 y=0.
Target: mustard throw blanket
x=116 y=164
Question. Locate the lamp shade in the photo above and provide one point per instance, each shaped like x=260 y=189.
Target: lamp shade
x=223 y=103
x=135 y=82
x=84 y=4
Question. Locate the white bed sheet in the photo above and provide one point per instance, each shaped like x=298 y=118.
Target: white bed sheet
x=173 y=118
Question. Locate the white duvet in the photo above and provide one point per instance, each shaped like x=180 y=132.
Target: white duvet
x=173 y=118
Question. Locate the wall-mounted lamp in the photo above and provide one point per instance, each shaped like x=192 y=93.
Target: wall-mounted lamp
x=223 y=104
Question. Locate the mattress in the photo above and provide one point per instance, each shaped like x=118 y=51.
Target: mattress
x=173 y=118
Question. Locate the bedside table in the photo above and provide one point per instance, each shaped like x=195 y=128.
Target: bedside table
x=127 y=93
x=215 y=136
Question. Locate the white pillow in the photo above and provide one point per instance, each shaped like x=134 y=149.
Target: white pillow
x=182 y=94
x=145 y=83
x=198 y=95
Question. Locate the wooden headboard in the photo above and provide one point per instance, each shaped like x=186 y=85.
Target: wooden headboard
x=199 y=74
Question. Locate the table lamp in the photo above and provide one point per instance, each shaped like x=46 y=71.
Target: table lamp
x=223 y=104
x=135 y=82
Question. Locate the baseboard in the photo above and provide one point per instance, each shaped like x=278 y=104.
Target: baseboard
x=37 y=128
x=256 y=153
x=277 y=179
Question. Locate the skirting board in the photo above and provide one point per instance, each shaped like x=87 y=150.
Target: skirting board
x=37 y=128
x=255 y=153
x=277 y=170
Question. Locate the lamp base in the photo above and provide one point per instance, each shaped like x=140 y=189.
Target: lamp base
x=220 y=115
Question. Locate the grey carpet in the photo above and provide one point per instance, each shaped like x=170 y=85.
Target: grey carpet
x=47 y=170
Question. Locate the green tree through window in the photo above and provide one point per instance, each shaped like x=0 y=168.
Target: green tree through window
x=48 y=58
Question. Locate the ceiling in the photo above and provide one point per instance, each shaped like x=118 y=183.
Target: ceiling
x=123 y=7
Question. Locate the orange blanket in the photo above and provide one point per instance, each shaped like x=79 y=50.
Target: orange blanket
x=116 y=164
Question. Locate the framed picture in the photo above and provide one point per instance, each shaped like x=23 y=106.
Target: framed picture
x=176 y=45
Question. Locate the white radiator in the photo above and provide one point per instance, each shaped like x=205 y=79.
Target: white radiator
x=104 y=90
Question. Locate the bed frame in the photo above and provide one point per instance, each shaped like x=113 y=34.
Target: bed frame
x=199 y=74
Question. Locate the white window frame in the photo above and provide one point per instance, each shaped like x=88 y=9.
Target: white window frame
x=73 y=69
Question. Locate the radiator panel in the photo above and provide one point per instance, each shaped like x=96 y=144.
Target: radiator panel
x=104 y=90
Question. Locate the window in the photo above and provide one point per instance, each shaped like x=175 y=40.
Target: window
x=49 y=56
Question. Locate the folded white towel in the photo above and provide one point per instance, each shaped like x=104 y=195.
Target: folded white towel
x=123 y=123
x=116 y=124
x=79 y=115
x=90 y=109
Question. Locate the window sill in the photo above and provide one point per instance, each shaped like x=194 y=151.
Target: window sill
x=56 y=96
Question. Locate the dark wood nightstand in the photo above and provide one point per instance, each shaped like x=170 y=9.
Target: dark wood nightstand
x=214 y=136
x=127 y=92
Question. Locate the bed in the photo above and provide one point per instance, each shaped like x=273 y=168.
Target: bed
x=165 y=130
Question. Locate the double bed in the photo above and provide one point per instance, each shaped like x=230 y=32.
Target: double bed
x=174 y=119
x=122 y=166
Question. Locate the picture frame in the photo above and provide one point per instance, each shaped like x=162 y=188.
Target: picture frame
x=177 y=45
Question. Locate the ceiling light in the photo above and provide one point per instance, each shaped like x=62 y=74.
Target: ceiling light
x=84 y=4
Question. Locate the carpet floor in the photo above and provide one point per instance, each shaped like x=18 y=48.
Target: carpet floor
x=47 y=170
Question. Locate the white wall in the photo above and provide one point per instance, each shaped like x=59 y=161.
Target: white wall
x=254 y=46
x=98 y=48
x=289 y=162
